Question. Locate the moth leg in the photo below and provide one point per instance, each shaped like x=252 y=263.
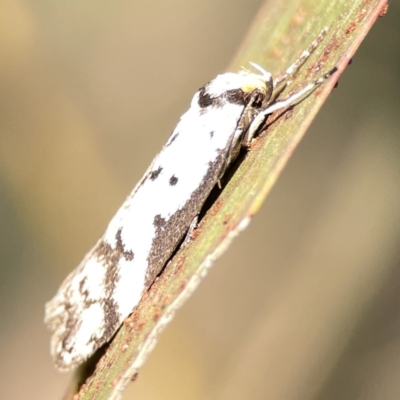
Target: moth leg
x=189 y=233
x=291 y=100
x=239 y=135
x=284 y=80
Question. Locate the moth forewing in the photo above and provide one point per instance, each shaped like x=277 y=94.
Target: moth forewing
x=96 y=297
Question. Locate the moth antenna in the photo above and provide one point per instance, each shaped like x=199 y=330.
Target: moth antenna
x=266 y=75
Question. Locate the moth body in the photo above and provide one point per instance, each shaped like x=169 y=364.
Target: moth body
x=103 y=290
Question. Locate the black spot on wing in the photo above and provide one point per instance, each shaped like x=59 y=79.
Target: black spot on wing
x=173 y=180
x=154 y=174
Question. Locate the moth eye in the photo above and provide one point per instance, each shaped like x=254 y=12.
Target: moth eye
x=258 y=100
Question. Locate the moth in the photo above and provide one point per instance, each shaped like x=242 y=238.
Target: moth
x=224 y=116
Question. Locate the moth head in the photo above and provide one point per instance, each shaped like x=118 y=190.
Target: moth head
x=254 y=79
x=238 y=88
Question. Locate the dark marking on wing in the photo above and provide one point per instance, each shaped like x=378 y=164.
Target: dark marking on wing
x=173 y=180
x=81 y=286
x=110 y=257
x=211 y=134
x=235 y=96
x=72 y=324
x=154 y=174
x=111 y=317
x=205 y=98
x=85 y=293
x=159 y=222
x=256 y=97
x=128 y=255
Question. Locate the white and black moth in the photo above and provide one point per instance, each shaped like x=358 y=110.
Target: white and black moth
x=103 y=290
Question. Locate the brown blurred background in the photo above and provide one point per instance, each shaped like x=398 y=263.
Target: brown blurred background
x=306 y=303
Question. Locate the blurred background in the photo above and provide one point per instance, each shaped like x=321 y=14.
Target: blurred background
x=305 y=305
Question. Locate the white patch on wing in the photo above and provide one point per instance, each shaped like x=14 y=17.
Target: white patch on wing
x=129 y=288
x=92 y=322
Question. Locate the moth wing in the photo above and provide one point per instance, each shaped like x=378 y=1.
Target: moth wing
x=103 y=290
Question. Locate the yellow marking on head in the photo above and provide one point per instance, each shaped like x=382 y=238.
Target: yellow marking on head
x=253 y=82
